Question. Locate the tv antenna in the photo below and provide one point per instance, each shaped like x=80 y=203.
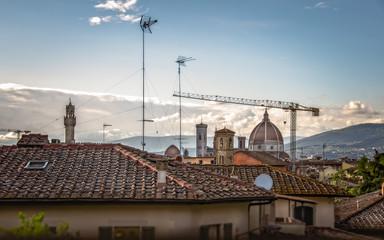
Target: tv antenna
x=145 y=23
x=181 y=62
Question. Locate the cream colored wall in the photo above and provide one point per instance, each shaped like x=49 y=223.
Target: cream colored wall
x=170 y=221
x=323 y=212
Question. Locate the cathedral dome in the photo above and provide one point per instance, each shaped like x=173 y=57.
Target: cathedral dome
x=266 y=137
x=172 y=151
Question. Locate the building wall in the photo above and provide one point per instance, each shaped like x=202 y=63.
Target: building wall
x=171 y=221
x=323 y=212
x=199 y=160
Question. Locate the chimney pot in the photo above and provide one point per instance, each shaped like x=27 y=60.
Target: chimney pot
x=162 y=167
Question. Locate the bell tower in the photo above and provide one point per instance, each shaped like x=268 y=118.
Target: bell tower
x=69 y=123
x=201 y=140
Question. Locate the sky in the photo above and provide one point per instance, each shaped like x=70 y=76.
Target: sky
x=325 y=54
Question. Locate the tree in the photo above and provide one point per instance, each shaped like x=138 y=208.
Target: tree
x=32 y=228
x=371 y=172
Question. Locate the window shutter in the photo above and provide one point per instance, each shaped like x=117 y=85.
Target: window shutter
x=105 y=233
x=204 y=232
x=228 y=231
x=148 y=233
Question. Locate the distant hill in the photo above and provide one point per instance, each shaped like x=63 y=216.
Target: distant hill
x=354 y=142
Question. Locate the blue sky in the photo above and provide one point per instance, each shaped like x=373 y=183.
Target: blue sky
x=326 y=54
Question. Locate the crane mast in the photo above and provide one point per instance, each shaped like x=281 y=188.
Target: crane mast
x=292 y=107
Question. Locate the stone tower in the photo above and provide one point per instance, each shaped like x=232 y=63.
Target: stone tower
x=69 y=123
x=224 y=146
x=201 y=140
x=241 y=143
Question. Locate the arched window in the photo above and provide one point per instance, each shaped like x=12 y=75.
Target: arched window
x=241 y=144
x=221 y=142
x=230 y=142
x=221 y=159
x=199 y=137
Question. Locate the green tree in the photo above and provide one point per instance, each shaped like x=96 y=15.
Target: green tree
x=371 y=173
x=32 y=229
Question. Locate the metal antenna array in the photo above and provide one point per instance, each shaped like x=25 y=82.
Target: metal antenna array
x=145 y=24
x=181 y=62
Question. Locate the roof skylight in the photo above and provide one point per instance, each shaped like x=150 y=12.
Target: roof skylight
x=36 y=165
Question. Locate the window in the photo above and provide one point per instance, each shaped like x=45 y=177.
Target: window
x=199 y=137
x=126 y=233
x=221 y=142
x=241 y=144
x=200 y=161
x=305 y=214
x=221 y=159
x=230 y=142
x=212 y=161
x=36 y=165
x=214 y=231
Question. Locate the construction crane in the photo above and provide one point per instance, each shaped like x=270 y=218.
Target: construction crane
x=15 y=131
x=293 y=107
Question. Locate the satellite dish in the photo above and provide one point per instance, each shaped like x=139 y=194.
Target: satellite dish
x=264 y=181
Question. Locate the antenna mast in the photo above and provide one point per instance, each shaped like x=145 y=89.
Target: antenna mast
x=181 y=62
x=145 y=24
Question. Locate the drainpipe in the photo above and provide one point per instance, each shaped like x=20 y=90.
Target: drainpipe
x=249 y=213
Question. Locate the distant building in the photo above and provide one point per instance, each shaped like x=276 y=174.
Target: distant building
x=173 y=152
x=69 y=123
x=201 y=140
x=241 y=143
x=266 y=137
x=223 y=146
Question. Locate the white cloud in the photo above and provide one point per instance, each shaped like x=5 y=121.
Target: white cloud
x=117 y=5
x=319 y=5
x=94 y=21
x=44 y=114
x=129 y=18
x=357 y=107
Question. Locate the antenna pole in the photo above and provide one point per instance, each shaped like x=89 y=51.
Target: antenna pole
x=179 y=110
x=181 y=62
x=145 y=24
x=143 y=127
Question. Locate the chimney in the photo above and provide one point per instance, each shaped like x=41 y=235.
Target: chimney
x=162 y=167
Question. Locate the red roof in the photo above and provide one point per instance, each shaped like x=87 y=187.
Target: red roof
x=284 y=182
x=111 y=172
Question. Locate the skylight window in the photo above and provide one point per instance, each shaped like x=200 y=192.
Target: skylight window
x=36 y=165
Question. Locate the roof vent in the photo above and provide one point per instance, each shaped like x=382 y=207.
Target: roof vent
x=36 y=165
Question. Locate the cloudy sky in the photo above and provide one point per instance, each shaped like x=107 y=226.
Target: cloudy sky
x=326 y=54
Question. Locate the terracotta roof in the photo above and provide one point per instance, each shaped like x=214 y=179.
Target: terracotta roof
x=319 y=162
x=320 y=233
x=265 y=158
x=284 y=182
x=368 y=218
x=33 y=140
x=111 y=172
x=347 y=207
x=265 y=131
